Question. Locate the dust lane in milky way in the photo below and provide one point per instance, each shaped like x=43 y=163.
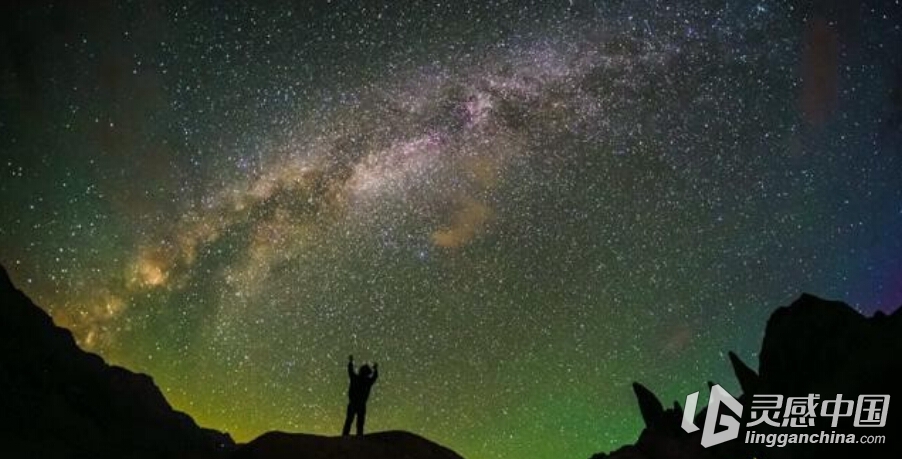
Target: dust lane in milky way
x=516 y=210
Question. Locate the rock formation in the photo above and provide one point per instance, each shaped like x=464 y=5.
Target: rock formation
x=813 y=346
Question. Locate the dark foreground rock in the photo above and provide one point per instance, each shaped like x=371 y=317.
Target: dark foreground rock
x=813 y=346
x=58 y=401
x=381 y=445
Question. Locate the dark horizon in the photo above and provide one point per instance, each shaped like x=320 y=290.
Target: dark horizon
x=54 y=394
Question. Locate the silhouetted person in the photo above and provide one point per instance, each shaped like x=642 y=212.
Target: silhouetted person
x=358 y=393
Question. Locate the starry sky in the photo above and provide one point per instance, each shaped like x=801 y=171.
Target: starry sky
x=516 y=208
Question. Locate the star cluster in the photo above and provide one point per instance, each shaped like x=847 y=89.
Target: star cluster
x=517 y=209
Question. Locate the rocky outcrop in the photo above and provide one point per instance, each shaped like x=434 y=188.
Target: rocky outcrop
x=381 y=445
x=59 y=401
x=813 y=346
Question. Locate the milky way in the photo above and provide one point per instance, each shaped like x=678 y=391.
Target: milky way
x=517 y=210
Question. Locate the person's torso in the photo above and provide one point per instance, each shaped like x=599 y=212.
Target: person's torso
x=359 y=390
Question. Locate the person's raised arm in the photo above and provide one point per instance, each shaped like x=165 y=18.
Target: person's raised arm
x=375 y=371
x=350 y=366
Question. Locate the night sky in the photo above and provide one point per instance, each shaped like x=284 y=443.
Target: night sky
x=516 y=209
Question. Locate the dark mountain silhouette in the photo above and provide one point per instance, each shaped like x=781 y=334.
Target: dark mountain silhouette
x=381 y=445
x=813 y=346
x=59 y=401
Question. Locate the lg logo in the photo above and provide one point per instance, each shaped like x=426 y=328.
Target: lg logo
x=718 y=396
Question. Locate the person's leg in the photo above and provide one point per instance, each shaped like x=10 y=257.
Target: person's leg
x=348 y=418
x=361 y=418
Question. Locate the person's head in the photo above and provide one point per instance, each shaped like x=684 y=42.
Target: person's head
x=365 y=370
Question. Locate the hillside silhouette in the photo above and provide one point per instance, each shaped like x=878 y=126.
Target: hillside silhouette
x=59 y=402
x=381 y=445
x=812 y=346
